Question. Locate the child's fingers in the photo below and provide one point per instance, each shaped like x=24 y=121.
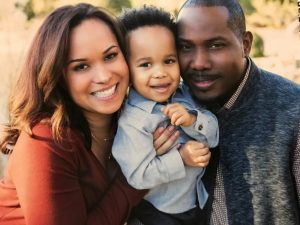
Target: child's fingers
x=179 y=120
x=176 y=118
x=171 y=108
x=203 y=160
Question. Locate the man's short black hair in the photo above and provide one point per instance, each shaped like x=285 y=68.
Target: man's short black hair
x=236 y=19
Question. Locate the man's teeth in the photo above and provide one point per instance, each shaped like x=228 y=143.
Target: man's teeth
x=105 y=93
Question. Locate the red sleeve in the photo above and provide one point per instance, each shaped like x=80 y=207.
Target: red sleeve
x=116 y=204
x=48 y=187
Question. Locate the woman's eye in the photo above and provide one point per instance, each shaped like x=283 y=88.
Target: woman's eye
x=147 y=64
x=111 y=56
x=80 y=67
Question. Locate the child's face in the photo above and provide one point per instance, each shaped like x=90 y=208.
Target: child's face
x=153 y=62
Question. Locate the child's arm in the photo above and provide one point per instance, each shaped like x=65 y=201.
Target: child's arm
x=201 y=125
x=134 y=151
x=193 y=153
x=205 y=129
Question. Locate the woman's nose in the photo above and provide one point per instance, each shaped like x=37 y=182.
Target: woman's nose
x=102 y=75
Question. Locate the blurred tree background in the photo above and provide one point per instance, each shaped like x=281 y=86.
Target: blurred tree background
x=260 y=13
x=274 y=23
x=38 y=8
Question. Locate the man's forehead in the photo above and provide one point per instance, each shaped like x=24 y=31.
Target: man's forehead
x=201 y=11
x=203 y=17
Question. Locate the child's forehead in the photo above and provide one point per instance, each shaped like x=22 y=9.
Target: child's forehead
x=150 y=35
x=150 y=30
x=151 y=42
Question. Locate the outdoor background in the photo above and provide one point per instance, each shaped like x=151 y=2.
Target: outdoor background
x=275 y=24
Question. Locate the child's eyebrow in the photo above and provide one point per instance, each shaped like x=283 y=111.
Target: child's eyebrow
x=172 y=55
x=143 y=59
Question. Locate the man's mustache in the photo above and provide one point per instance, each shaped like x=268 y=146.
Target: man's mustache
x=201 y=75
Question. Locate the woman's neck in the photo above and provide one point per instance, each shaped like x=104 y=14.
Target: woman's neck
x=101 y=126
x=102 y=133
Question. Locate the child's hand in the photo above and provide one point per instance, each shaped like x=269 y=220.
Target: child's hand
x=195 y=154
x=178 y=115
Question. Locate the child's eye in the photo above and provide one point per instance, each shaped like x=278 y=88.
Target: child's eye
x=170 y=61
x=146 y=64
x=110 y=56
x=80 y=67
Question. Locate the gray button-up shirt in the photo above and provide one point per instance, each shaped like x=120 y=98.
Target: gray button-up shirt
x=174 y=188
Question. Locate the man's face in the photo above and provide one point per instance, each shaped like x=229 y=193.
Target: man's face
x=211 y=56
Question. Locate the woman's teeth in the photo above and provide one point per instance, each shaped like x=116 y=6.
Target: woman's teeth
x=105 y=93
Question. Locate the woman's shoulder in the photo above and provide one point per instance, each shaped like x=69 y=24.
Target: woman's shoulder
x=42 y=134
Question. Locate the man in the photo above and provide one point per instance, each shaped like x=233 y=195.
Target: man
x=254 y=174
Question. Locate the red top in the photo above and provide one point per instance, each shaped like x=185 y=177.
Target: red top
x=50 y=184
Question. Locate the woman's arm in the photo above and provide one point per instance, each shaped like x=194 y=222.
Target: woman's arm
x=49 y=189
x=116 y=204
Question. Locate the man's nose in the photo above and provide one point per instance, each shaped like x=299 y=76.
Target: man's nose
x=201 y=60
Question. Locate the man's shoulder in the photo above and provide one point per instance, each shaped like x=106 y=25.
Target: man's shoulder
x=277 y=91
x=279 y=83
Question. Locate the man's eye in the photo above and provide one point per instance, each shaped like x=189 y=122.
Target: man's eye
x=216 y=45
x=147 y=64
x=80 y=67
x=184 y=47
x=110 y=56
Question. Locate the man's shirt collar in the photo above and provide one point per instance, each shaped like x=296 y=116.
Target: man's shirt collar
x=237 y=93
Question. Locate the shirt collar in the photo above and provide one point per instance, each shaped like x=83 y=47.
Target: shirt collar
x=237 y=93
x=139 y=101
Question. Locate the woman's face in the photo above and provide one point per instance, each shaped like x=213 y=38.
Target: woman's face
x=96 y=73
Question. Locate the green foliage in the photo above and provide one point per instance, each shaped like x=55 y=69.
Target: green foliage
x=34 y=8
x=26 y=8
x=271 y=13
x=247 y=6
x=43 y=7
x=257 y=49
x=118 y=5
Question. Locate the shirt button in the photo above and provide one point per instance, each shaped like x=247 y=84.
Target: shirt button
x=200 y=127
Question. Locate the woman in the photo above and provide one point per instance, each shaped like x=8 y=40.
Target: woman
x=63 y=116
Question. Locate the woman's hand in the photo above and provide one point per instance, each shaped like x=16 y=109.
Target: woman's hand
x=194 y=153
x=164 y=139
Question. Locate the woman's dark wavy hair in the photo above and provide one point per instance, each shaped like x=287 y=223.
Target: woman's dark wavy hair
x=41 y=90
